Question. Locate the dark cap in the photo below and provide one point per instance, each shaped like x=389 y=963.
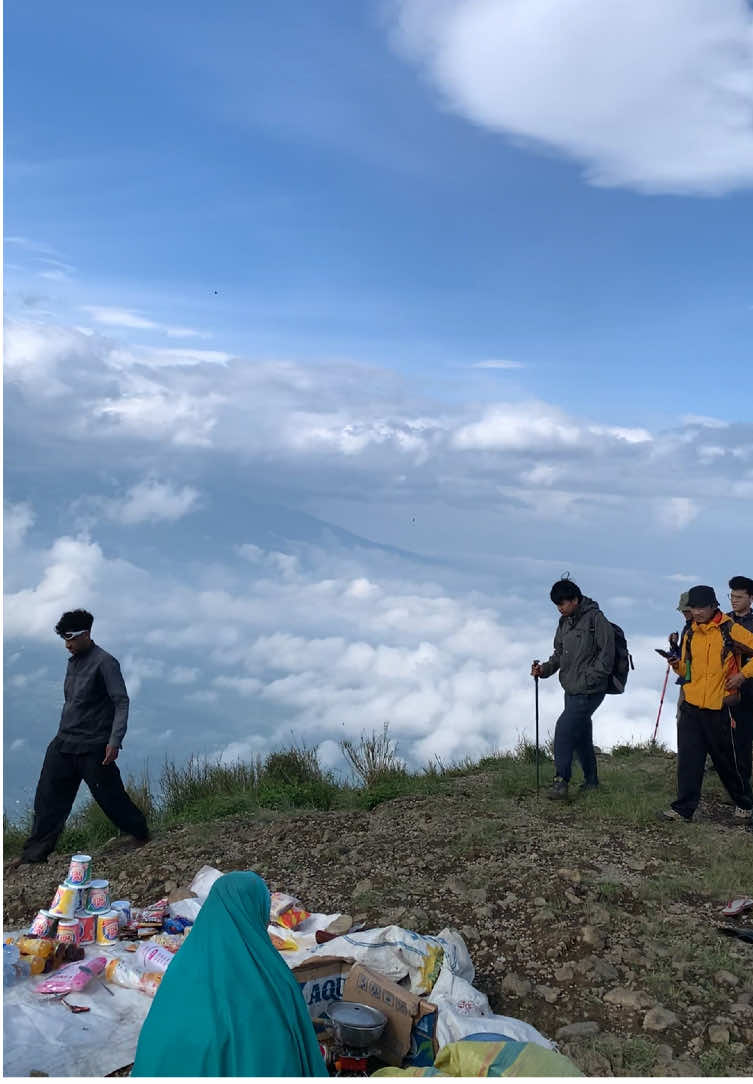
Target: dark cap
x=702 y=596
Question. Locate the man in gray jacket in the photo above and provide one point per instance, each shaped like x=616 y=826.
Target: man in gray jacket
x=584 y=656
x=92 y=727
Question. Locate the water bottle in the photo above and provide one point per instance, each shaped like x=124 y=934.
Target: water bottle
x=15 y=967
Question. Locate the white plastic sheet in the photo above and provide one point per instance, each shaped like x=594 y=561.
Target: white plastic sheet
x=46 y=1036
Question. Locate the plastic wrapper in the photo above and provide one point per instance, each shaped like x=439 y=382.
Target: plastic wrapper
x=283 y=942
x=291 y=918
x=285 y=910
x=170 y=941
x=36 y=946
x=153 y=915
x=153 y=957
x=279 y=902
x=120 y=973
x=72 y=978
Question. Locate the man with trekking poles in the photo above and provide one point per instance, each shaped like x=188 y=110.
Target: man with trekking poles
x=585 y=656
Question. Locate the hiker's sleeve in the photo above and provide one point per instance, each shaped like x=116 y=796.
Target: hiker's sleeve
x=552 y=665
x=117 y=692
x=741 y=634
x=603 y=661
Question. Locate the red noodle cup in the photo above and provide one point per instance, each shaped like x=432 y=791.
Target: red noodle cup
x=88 y=927
x=68 y=931
x=44 y=924
x=108 y=928
x=97 y=898
x=64 y=902
x=78 y=871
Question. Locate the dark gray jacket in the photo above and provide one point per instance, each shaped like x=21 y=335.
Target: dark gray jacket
x=583 y=650
x=95 y=712
x=746 y=689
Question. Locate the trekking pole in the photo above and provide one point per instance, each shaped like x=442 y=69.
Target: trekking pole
x=661 y=704
x=536 y=696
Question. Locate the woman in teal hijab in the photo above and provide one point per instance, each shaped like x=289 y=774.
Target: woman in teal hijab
x=228 y=1004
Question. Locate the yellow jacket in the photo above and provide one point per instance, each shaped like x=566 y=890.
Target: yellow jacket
x=708 y=671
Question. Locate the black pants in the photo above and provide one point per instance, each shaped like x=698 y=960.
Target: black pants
x=743 y=737
x=57 y=788
x=573 y=733
x=701 y=731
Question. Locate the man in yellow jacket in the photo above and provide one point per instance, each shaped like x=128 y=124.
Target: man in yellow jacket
x=712 y=675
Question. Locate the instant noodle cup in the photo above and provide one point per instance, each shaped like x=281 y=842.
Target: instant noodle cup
x=97 y=898
x=68 y=932
x=88 y=927
x=64 y=902
x=78 y=871
x=43 y=925
x=108 y=928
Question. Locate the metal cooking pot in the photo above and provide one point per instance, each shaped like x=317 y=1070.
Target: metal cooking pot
x=356 y=1025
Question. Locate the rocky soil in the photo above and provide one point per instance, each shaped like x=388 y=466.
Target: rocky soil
x=570 y=926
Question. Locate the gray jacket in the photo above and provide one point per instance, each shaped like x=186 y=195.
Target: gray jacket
x=95 y=712
x=583 y=650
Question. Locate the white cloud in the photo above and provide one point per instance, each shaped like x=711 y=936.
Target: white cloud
x=126 y=318
x=17 y=519
x=152 y=501
x=676 y=513
x=704 y=421
x=497 y=365
x=21 y=681
x=652 y=96
x=518 y=427
x=17 y=745
x=137 y=669
x=183 y=675
x=684 y=577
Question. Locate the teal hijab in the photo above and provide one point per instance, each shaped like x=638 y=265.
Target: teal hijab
x=228 y=1004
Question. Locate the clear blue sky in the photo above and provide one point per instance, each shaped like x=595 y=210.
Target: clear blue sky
x=334 y=216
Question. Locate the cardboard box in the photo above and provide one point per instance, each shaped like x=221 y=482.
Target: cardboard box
x=411 y=1022
x=322 y=981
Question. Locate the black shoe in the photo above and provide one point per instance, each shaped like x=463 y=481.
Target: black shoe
x=586 y=786
x=672 y=815
x=558 y=792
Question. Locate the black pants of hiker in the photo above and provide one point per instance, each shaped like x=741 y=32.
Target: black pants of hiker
x=701 y=731
x=573 y=733
x=62 y=775
x=743 y=737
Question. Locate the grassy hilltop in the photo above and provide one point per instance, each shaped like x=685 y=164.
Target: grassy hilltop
x=589 y=915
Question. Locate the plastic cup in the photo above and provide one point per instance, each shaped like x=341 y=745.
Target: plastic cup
x=78 y=871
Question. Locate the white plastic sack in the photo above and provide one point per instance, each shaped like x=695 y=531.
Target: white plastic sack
x=456 y=956
x=464 y=1010
x=201 y=884
x=203 y=881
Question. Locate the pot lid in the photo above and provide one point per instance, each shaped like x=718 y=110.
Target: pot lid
x=353 y=1015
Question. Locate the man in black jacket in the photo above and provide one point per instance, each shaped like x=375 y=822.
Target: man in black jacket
x=584 y=656
x=741 y=597
x=92 y=727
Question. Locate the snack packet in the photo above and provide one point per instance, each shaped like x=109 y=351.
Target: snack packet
x=283 y=944
x=72 y=978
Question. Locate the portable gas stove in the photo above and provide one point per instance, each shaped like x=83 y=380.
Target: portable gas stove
x=350 y=1060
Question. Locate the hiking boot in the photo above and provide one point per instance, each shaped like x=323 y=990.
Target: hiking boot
x=672 y=815
x=19 y=863
x=118 y=844
x=558 y=792
x=742 y=814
